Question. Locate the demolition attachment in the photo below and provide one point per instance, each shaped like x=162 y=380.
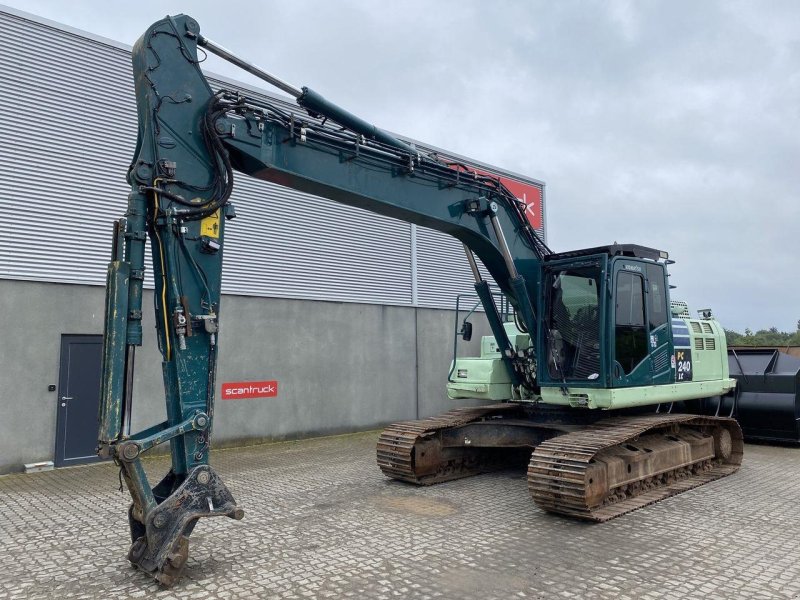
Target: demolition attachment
x=181 y=205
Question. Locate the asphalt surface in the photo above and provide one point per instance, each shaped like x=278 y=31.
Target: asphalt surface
x=321 y=521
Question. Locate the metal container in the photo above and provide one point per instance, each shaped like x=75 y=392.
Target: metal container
x=767 y=395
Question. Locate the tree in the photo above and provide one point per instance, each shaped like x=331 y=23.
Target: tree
x=763 y=337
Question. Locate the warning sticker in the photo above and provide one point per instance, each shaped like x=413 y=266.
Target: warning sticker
x=209 y=226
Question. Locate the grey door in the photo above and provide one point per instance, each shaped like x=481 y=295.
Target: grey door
x=78 y=399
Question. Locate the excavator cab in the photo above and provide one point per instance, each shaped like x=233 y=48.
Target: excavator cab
x=606 y=324
x=606 y=318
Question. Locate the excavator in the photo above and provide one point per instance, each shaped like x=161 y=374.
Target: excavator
x=609 y=389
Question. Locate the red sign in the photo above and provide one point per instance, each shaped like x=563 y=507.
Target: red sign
x=240 y=390
x=528 y=193
x=531 y=195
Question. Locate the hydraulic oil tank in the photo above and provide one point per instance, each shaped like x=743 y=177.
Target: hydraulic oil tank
x=767 y=394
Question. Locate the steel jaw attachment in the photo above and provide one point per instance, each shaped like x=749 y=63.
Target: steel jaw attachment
x=161 y=546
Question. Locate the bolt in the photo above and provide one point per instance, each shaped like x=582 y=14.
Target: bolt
x=143 y=171
x=203 y=478
x=201 y=421
x=467 y=441
x=160 y=520
x=130 y=451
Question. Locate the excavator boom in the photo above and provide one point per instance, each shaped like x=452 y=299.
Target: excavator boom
x=190 y=140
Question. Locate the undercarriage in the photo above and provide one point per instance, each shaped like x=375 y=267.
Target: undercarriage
x=580 y=464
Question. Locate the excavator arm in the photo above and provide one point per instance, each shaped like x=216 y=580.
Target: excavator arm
x=190 y=141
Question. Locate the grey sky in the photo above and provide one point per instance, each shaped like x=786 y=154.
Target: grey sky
x=671 y=124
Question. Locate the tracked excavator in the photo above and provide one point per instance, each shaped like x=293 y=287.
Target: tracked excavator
x=595 y=380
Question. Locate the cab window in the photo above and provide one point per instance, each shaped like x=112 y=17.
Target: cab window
x=630 y=333
x=573 y=324
x=657 y=296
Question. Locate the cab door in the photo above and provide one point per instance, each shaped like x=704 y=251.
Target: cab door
x=640 y=339
x=631 y=337
x=659 y=322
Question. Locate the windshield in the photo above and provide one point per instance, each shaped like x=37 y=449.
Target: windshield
x=573 y=324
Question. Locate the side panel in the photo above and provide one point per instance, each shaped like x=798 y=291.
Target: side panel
x=617 y=398
x=706 y=354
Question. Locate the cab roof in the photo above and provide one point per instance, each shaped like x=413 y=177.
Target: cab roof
x=630 y=250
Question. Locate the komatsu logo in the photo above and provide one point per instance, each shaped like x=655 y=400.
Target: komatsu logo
x=241 y=390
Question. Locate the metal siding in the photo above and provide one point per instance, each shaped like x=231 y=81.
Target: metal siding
x=294 y=245
x=67 y=132
x=442 y=269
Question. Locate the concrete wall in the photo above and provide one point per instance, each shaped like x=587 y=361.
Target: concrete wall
x=340 y=366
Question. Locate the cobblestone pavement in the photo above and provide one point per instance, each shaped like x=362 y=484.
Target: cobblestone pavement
x=322 y=522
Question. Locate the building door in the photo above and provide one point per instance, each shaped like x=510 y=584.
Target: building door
x=78 y=399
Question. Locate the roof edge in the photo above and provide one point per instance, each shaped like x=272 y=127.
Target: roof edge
x=21 y=14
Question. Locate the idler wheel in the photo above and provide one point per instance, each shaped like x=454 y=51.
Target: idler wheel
x=723 y=444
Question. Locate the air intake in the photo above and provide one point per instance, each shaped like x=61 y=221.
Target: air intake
x=680 y=309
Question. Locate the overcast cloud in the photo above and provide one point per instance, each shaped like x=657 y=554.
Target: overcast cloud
x=671 y=124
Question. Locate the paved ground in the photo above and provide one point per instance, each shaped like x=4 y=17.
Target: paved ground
x=322 y=522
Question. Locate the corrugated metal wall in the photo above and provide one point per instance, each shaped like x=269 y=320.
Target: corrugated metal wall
x=67 y=132
x=67 y=122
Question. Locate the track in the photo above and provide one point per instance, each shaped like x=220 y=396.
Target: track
x=409 y=450
x=595 y=473
x=621 y=464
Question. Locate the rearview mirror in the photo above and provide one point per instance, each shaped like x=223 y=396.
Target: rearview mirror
x=466 y=331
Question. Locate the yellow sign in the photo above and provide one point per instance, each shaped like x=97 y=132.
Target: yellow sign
x=209 y=226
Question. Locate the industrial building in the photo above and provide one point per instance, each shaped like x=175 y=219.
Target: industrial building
x=336 y=319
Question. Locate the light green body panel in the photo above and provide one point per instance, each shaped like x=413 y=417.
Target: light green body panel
x=615 y=398
x=709 y=350
x=485 y=378
x=519 y=340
